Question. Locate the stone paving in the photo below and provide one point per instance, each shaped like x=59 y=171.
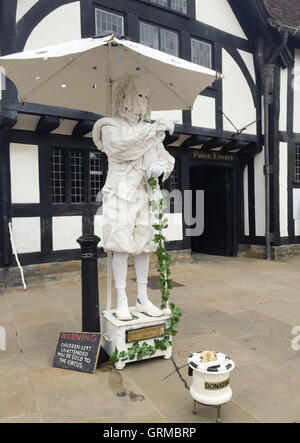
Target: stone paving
x=243 y=307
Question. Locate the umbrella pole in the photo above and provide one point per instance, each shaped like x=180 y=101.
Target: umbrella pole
x=109 y=109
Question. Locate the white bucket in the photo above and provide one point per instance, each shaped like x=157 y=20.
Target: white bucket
x=211 y=380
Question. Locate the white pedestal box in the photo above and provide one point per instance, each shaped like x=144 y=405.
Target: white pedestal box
x=123 y=334
x=211 y=379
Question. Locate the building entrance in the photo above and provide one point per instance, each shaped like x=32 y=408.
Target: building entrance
x=219 y=235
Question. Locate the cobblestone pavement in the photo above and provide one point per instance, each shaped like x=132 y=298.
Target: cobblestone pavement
x=243 y=307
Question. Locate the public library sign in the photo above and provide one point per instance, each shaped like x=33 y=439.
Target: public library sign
x=214 y=156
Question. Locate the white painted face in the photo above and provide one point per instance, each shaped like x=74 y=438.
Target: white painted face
x=131 y=100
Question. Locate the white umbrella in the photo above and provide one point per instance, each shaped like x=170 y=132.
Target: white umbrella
x=77 y=74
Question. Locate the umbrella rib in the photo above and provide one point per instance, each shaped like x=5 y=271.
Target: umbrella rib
x=165 y=84
x=54 y=74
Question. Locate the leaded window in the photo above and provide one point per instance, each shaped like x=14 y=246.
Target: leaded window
x=109 y=23
x=179 y=5
x=77 y=176
x=176 y=5
x=159 y=38
x=201 y=53
x=96 y=175
x=297 y=164
x=175 y=177
x=57 y=175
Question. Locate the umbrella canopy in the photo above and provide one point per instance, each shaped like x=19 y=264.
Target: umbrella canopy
x=80 y=74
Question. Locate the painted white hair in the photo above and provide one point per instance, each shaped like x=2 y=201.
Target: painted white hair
x=126 y=100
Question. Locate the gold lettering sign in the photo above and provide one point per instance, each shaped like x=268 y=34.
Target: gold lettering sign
x=213 y=156
x=145 y=333
x=215 y=386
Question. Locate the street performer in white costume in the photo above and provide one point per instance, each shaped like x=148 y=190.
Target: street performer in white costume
x=135 y=153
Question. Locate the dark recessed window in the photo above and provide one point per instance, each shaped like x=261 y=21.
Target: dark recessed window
x=109 y=23
x=176 y=5
x=297 y=164
x=201 y=53
x=77 y=176
x=175 y=177
x=159 y=38
x=96 y=175
x=58 y=176
x=70 y=182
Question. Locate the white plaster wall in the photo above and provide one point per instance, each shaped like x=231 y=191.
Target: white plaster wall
x=249 y=62
x=218 y=13
x=66 y=230
x=204 y=112
x=283 y=99
x=259 y=186
x=23 y=6
x=27 y=234
x=237 y=99
x=175 y=115
x=283 y=188
x=61 y=25
x=24 y=173
x=297 y=91
x=246 y=202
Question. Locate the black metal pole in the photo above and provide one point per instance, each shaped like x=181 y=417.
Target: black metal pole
x=89 y=282
x=90 y=288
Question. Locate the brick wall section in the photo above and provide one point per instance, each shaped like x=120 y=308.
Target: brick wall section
x=286 y=11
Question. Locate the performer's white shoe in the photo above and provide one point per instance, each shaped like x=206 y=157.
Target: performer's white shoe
x=123 y=313
x=148 y=309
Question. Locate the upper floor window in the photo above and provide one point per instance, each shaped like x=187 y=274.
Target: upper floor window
x=109 y=23
x=201 y=53
x=297 y=164
x=176 y=5
x=159 y=38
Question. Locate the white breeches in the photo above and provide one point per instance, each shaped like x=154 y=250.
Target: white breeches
x=127 y=225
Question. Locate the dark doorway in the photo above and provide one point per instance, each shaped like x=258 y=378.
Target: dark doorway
x=217 y=183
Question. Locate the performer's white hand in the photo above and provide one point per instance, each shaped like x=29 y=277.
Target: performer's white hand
x=170 y=126
x=155 y=170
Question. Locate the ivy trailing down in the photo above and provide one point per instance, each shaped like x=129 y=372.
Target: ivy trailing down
x=165 y=283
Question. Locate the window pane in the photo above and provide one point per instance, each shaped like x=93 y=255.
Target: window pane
x=77 y=176
x=57 y=175
x=297 y=164
x=108 y=23
x=96 y=175
x=169 y=42
x=175 y=177
x=161 y=2
x=201 y=53
x=149 y=35
x=179 y=5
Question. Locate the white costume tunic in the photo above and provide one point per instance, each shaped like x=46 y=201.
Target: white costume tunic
x=130 y=148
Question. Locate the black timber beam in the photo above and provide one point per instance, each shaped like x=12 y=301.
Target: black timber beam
x=249 y=148
x=82 y=128
x=47 y=124
x=195 y=140
x=234 y=144
x=171 y=138
x=214 y=143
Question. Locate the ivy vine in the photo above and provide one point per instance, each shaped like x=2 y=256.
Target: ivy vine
x=165 y=284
